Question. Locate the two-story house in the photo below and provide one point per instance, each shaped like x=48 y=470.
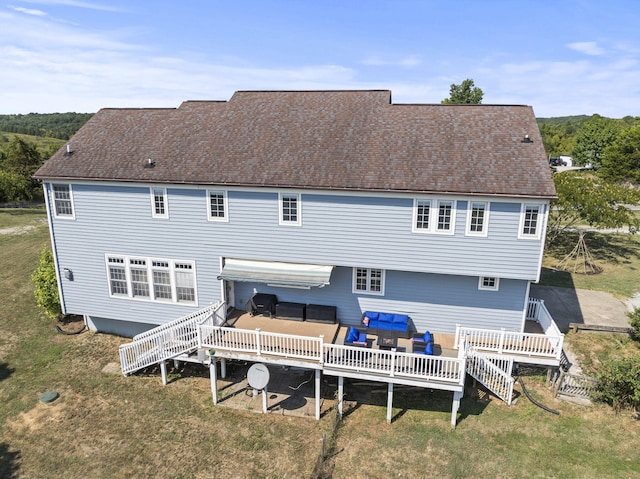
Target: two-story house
x=336 y=198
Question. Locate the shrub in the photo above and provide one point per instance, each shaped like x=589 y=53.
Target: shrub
x=619 y=383
x=46 y=285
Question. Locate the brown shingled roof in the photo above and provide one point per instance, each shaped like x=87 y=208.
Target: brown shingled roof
x=342 y=140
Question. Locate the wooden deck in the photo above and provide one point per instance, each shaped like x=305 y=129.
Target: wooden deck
x=332 y=333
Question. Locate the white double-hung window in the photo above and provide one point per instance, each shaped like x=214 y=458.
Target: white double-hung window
x=62 y=201
x=151 y=279
x=159 y=203
x=217 y=206
x=477 y=218
x=433 y=216
x=289 y=209
x=368 y=280
x=531 y=219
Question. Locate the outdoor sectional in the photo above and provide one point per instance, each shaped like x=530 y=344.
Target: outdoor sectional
x=380 y=323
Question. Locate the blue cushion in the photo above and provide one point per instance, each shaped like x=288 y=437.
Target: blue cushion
x=352 y=334
x=400 y=318
x=429 y=349
x=371 y=315
x=428 y=337
x=385 y=318
x=395 y=326
x=362 y=338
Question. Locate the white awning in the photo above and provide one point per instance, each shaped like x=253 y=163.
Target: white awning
x=276 y=273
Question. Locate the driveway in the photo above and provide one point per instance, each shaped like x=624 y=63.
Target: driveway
x=568 y=305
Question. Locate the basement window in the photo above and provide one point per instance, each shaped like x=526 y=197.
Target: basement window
x=489 y=283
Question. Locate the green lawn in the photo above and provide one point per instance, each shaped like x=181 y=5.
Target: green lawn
x=106 y=426
x=618 y=255
x=20 y=217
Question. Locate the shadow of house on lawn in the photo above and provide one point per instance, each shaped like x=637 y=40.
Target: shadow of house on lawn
x=8 y=462
x=5 y=372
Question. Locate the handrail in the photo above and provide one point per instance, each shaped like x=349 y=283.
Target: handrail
x=395 y=364
x=335 y=356
x=510 y=342
x=260 y=342
x=167 y=340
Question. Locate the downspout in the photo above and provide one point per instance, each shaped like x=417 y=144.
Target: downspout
x=47 y=205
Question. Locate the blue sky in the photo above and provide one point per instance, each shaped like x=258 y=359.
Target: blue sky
x=563 y=57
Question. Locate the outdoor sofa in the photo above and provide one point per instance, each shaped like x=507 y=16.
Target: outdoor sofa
x=377 y=323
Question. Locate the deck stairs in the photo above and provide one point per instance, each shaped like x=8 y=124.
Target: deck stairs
x=176 y=339
x=493 y=371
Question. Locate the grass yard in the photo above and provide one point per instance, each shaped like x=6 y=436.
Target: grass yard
x=618 y=255
x=21 y=217
x=106 y=426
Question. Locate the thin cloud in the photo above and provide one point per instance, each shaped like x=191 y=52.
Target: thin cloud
x=76 y=4
x=409 y=61
x=28 y=11
x=588 y=48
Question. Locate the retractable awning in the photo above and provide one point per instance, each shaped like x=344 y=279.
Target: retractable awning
x=276 y=273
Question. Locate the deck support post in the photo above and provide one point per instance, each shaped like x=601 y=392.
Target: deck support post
x=454 y=407
x=223 y=368
x=163 y=372
x=213 y=374
x=176 y=364
x=264 y=400
x=389 y=402
x=340 y=394
x=318 y=374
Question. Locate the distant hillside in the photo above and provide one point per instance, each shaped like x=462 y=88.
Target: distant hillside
x=50 y=125
x=563 y=119
x=47 y=146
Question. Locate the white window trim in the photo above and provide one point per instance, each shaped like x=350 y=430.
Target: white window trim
x=154 y=214
x=149 y=265
x=540 y=222
x=225 y=205
x=434 y=212
x=281 y=221
x=482 y=287
x=414 y=219
x=454 y=207
x=72 y=216
x=485 y=223
x=354 y=289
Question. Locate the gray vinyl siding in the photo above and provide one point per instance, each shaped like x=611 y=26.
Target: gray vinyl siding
x=434 y=302
x=340 y=230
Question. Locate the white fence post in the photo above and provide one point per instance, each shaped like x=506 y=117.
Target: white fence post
x=258 y=352
x=501 y=345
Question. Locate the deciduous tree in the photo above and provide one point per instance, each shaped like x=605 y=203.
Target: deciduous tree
x=621 y=159
x=595 y=135
x=587 y=198
x=466 y=93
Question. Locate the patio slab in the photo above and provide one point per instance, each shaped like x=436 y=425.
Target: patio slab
x=568 y=305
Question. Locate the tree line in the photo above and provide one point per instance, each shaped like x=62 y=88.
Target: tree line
x=612 y=146
x=48 y=125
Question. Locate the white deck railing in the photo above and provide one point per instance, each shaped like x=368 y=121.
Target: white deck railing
x=167 y=340
x=494 y=372
x=509 y=342
x=547 y=345
x=334 y=356
x=395 y=364
x=260 y=342
x=537 y=311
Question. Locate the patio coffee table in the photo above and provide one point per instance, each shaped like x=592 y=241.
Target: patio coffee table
x=387 y=341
